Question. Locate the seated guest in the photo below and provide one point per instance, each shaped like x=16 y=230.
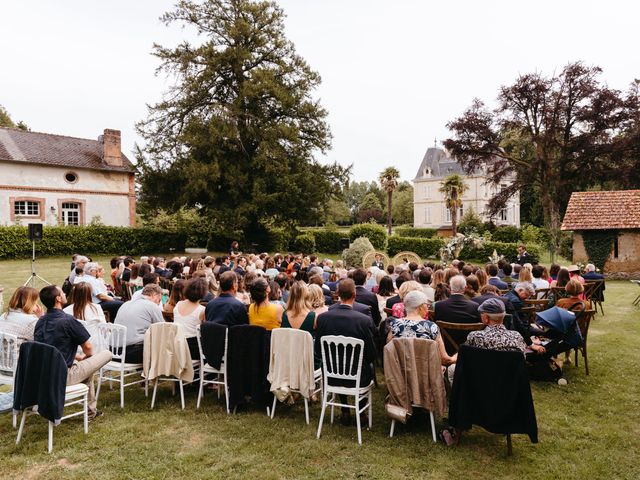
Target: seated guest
x=316 y=299
x=65 y=333
x=437 y=277
x=562 y=278
x=457 y=308
x=385 y=291
x=79 y=276
x=261 y=312
x=482 y=277
x=590 y=273
x=489 y=291
x=177 y=294
x=340 y=270
x=366 y=297
x=402 y=277
x=554 y=269
x=424 y=278
x=99 y=290
x=226 y=309
x=299 y=313
x=80 y=262
x=525 y=275
x=515 y=274
x=574 y=291
x=501 y=264
x=159 y=267
x=415 y=324
x=472 y=289
x=275 y=294
x=190 y=313
x=271 y=270
x=126 y=273
x=148 y=279
x=494 y=280
x=398 y=310
x=241 y=290
x=519 y=322
x=495 y=336
x=210 y=287
x=538 y=281
x=138 y=316
x=344 y=320
x=241 y=267
x=441 y=292
x=283 y=282
x=508 y=279
x=574 y=272
x=22 y=314
x=317 y=280
x=135 y=279
x=84 y=310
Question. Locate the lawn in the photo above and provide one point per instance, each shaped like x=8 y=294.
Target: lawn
x=589 y=428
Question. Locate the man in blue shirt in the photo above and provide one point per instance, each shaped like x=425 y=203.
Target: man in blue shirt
x=494 y=280
x=227 y=309
x=65 y=333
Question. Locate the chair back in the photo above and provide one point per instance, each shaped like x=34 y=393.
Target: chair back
x=285 y=352
x=454 y=334
x=166 y=352
x=203 y=337
x=8 y=353
x=542 y=293
x=593 y=290
x=342 y=358
x=113 y=337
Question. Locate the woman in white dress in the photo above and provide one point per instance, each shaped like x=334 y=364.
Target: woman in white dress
x=190 y=313
x=87 y=312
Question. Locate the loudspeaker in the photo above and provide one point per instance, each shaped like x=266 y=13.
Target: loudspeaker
x=35 y=232
x=344 y=243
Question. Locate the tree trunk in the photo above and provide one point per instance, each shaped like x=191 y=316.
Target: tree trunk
x=389 y=195
x=551 y=218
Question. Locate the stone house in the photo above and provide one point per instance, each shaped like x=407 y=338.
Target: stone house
x=618 y=211
x=60 y=180
x=429 y=209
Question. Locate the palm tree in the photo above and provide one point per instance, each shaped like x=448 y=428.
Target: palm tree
x=389 y=181
x=453 y=188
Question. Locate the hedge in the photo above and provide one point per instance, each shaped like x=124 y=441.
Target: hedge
x=425 y=247
x=376 y=234
x=509 y=250
x=305 y=243
x=506 y=234
x=57 y=241
x=328 y=241
x=416 y=232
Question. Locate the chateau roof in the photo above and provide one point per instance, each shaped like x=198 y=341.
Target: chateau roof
x=437 y=163
x=55 y=150
x=604 y=210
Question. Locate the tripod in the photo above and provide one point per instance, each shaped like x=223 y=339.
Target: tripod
x=31 y=281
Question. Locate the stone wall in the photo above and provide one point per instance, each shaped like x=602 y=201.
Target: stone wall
x=626 y=265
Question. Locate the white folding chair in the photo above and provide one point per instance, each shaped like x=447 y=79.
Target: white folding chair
x=220 y=373
x=113 y=337
x=8 y=361
x=342 y=361
x=279 y=338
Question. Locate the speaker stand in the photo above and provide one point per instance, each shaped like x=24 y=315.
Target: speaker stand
x=32 y=280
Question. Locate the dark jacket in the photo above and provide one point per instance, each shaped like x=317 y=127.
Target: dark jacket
x=364 y=309
x=393 y=300
x=456 y=309
x=518 y=322
x=592 y=276
x=499 y=284
x=212 y=339
x=344 y=320
x=524 y=258
x=41 y=379
x=480 y=299
x=366 y=297
x=226 y=310
x=491 y=389
x=248 y=365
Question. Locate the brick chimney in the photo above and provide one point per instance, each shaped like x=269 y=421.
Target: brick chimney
x=111 y=153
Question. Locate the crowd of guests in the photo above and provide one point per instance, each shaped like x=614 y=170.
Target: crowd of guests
x=375 y=304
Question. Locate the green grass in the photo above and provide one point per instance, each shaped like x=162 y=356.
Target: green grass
x=589 y=429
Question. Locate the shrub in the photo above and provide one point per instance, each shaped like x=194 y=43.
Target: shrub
x=305 y=243
x=56 y=241
x=328 y=240
x=355 y=253
x=530 y=234
x=425 y=247
x=376 y=234
x=566 y=245
x=509 y=250
x=471 y=222
x=506 y=234
x=416 y=232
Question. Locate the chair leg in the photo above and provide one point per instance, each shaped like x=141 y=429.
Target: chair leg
x=14 y=421
x=24 y=417
x=86 y=413
x=393 y=426
x=50 y=438
x=200 y=391
x=121 y=388
x=226 y=395
x=146 y=387
x=509 y=446
x=324 y=406
x=273 y=407
x=100 y=373
x=153 y=397
x=333 y=398
x=433 y=427
x=358 y=424
x=370 y=409
x=306 y=410
x=181 y=394
x=586 y=364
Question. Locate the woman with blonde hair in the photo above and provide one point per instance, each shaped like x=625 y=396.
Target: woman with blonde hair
x=525 y=275
x=316 y=299
x=437 y=278
x=411 y=286
x=341 y=272
x=299 y=314
x=22 y=314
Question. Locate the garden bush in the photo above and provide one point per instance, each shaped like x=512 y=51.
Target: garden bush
x=566 y=245
x=425 y=247
x=509 y=250
x=355 y=253
x=305 y=243
x=376 y=234
x=416 y=232
x=328 y=240
x=56 y=241
x=506 y=234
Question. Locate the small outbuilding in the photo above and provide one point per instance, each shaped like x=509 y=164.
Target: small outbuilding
x=606 y=229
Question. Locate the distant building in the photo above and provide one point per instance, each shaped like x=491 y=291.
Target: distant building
x=58 y=180
x=618 y=211
x=429 y=209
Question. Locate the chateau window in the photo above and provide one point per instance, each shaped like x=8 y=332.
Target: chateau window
x=427 y=215
x=26 y=208
x=504 y=215
x=71 y=213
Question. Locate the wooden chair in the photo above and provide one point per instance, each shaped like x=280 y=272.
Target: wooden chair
x=533 y=306
x=584 y=321
x=594 y=292
x=542 y=293
x=447 y=329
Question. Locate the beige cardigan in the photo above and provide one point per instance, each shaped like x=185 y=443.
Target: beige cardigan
x=413 y=374
x=166 y=352
x=291 y=363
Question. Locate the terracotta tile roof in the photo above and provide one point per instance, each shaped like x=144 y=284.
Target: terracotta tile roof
x=604 y=210
x=57 y=150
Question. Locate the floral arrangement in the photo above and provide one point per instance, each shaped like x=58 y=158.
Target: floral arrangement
x=455 y=245
x=495 y=258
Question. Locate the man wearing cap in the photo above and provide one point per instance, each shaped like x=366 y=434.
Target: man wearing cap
x=495 y=336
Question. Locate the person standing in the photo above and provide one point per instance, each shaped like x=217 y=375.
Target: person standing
x=523 y=255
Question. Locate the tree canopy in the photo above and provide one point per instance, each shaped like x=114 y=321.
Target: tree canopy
x=550 y=136
x=237 y=132
x=7 y=122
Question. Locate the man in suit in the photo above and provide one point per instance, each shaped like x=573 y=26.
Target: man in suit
x=241 y=268
x=378 y=262
x=591 y=275
x=457 y=308
x=494 y=279
x=523 y=255
x=226 y=309
x=366 y=297
x=344 y=320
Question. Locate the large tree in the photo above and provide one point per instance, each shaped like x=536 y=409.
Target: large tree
x=237 y=132
x=550 y=135
x=453 y=188
x=389 y=180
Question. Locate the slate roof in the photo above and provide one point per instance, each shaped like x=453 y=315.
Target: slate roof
x=603 y=210
x=436 y=163
x=56 y=150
